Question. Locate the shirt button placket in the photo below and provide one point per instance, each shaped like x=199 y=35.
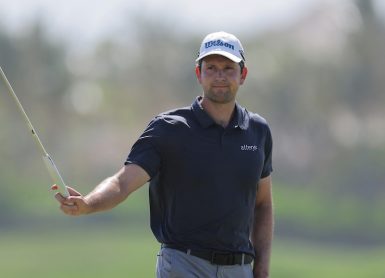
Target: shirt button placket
x=223 y=138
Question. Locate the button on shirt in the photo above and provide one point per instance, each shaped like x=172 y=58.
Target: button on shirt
x=204 y=177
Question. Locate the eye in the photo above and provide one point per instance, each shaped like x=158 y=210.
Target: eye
x=210 y=69
x=229 y=68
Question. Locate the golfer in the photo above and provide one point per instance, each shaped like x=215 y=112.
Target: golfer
x=209 y=167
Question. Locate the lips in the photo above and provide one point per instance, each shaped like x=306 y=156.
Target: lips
x=220 y=86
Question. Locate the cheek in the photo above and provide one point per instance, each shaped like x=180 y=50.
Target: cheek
x=235 y=81
x=204 y=80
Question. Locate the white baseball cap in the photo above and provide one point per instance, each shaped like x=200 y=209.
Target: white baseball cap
x=222 y=43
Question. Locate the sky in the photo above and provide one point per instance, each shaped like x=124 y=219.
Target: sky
x=90 y=20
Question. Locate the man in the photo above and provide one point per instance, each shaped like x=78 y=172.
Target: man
x=209 y=169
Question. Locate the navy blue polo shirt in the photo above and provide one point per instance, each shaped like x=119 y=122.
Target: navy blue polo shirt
x=203 y=176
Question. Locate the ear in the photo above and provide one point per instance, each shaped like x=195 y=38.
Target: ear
x=198 y=73
x=244 y=74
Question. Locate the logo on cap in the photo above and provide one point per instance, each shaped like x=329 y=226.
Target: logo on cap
x=218 y=43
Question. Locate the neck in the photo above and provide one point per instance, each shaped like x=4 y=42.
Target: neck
x=220 y=112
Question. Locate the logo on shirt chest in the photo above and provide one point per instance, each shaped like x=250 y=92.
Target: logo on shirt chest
x=252 y=148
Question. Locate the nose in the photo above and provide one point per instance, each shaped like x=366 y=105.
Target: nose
x=220 y=74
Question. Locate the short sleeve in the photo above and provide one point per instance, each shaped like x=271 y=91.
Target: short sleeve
x=145 y=152
x=267 y=165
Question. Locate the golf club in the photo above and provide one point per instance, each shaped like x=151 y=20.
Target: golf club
x=51 y=167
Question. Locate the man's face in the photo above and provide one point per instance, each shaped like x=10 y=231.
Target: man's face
x=220 y=78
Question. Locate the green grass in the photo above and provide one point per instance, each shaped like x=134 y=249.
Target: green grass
x=320 y=213
x=127 y=252
x=299 y=259
x=87 y=253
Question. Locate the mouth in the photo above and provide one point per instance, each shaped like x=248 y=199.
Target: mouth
x=220 y=86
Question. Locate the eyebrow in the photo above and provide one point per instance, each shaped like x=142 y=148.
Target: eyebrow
x=224 y=64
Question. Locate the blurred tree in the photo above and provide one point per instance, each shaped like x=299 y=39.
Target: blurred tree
x=319 y=84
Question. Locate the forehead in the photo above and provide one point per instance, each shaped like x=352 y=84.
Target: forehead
x=211 y=59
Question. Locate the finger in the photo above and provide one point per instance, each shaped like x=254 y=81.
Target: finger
x=73 y=200
x=70 y=209
x=58 y=196
x=73 y=192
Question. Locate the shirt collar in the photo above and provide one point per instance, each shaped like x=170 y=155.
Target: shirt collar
x=239 y=120
x=242 y=117
x=203 y=118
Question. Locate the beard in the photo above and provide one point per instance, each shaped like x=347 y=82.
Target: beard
x=220 y=95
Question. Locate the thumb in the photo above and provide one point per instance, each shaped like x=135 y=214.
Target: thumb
x=73 y=192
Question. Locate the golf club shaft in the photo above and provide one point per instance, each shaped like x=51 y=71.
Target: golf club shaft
x=53 y=170
x=22 y=111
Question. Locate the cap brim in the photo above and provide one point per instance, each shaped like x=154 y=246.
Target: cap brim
x=222 y=53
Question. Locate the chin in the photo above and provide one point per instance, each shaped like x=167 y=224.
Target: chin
x=221 y=99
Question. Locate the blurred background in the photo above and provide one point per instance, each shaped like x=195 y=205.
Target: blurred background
x=91 y=75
